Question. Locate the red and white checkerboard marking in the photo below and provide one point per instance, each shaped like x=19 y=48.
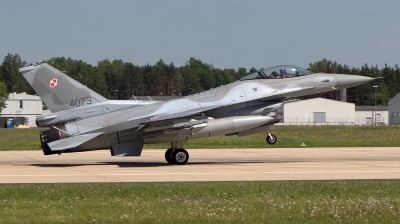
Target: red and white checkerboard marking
x=53 y=82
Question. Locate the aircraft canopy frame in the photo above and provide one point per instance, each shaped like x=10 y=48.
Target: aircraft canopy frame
x=278 y=72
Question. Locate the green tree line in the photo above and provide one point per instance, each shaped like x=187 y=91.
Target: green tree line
x=193 y=77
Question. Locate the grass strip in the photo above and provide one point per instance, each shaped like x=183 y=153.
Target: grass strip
x=20 y=139
x=215 y=202
x=312 y=136
x=288 y=137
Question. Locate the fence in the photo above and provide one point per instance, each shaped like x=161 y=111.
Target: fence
x=332 y=121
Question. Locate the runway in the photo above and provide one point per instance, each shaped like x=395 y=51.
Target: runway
x=268 y=164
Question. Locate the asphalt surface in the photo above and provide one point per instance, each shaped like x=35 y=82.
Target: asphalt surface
x=268 y=164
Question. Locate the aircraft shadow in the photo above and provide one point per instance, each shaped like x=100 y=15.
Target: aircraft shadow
x=150 y=164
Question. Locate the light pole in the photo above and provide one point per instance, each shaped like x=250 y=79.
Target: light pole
x=375 y=87
x=115 y=90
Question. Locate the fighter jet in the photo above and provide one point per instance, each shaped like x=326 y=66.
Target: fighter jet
x=83 y=120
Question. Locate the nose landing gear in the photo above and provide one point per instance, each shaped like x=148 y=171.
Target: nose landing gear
x=271 y=139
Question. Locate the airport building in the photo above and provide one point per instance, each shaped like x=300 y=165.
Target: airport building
x=22 y=108
x=365 y=115
x=394 y=110
x=321 y=111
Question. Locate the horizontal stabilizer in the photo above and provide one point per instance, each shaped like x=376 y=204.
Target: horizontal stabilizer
x=71 y=142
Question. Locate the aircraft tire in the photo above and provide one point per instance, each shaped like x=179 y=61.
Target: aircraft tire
x=180 y=156
x=168 y=155
x=272 y=140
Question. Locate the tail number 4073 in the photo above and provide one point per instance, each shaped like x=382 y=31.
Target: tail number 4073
x=81 y=102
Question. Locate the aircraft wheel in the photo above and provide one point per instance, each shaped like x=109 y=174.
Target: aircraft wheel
x=180 y=156
x=168 y=155
x=271 y=139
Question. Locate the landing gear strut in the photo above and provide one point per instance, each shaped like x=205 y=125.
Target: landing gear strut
x=176 y=154
x=271 y=138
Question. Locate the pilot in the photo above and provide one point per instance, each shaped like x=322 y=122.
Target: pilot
x=282 y=72
x=274 y=74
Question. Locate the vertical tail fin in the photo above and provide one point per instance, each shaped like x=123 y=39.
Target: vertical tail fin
x=57 y=90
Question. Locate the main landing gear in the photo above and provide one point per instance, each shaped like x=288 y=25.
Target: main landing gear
x=176 y=154
x=271 y=138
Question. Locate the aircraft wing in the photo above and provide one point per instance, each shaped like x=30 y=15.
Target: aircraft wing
x=197 y=111
x=71 y=142
x=188 y=113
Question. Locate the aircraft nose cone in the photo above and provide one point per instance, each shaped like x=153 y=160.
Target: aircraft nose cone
x=347 y=81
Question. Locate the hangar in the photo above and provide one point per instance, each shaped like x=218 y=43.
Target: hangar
x=318 y=111
x=321 y=111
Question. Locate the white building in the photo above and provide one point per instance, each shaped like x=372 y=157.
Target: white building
x=318 y=111
x=22 y=107
x=321 y=111
x=365 y=115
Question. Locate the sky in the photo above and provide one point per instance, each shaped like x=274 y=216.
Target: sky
x=224 y=33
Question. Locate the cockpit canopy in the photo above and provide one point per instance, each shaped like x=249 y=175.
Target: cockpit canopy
x=278 y=72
